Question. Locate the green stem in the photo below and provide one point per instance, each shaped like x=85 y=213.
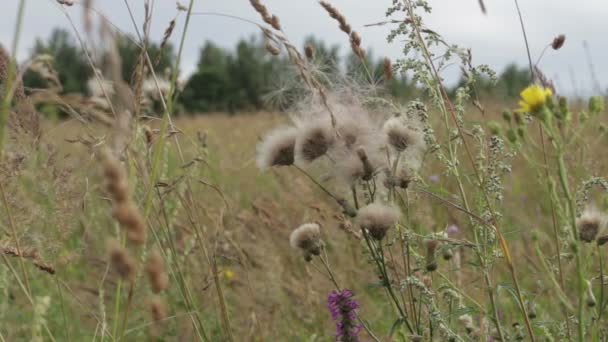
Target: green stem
x=563 y=178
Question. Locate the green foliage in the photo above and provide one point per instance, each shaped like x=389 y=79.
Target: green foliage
x=69 y=61
x=131 y=52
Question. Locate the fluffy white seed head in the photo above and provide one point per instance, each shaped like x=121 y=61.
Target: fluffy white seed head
x=590 y=224
x=313 y=141
x=307 y=237
x=378 y=218
x=277 y=148
x=401 y=137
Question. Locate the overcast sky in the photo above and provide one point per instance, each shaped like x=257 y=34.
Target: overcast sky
x=494 y=38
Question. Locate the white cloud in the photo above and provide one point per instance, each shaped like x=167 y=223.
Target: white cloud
x=495 y=38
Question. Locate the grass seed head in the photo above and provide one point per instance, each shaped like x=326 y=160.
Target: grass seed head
x=387 y=69
x=309 y=51
x=121 y=261
x=132 y=221
x=155 y=268
x=158 y=309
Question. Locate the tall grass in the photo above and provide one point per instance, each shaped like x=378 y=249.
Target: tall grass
x=445 y=218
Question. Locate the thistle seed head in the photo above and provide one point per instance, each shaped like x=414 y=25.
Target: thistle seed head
x=590 y=223
x=313 y=141
x=307 y=237
x=277 y=148
x=378 y=218
x=399 y=136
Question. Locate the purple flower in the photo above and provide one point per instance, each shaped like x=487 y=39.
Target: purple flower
x=343 y=311
x=434 y=178
x=452 y=230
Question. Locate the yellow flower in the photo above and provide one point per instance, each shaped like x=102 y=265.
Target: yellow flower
x=229 y=274
x=533 y=98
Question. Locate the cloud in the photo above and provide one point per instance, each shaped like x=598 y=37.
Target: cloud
x=495 y=39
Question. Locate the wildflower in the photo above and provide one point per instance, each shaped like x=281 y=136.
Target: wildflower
x=534 y=98
x=307 y=237
x=378 y=218
x=343 y=311
x=313 y=142
x=452 y=230
x=229 y=274
x=589 y=224
x=277 y=148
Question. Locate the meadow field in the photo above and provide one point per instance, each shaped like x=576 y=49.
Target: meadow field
x=348 y=215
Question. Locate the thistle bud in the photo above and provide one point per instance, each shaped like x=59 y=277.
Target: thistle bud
x=591 y=301
x=596 y=105
x=558 y=42
x=431 y=262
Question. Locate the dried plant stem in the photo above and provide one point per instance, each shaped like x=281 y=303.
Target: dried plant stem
x=523 y=30
x=502 y=241
x=15 y=238
x=127 y=310
x=12 y=71
x=378 y=257
x=177 y=273
x=211 y=261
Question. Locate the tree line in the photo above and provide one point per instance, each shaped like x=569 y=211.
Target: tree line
x=245 y=78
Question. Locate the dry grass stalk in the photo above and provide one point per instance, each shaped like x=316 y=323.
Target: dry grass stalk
x=355 y=38
x=155 y=268
x=309 y=51
x=25 y=118
x=125 y=211
x=158 y=309
x=66 y=2
x=163 y=43
x=274 y=50
x=31 y=254
x=482 y=6
x=335 y=13
x=268 y=18
x=387 y=68
x=121 y=261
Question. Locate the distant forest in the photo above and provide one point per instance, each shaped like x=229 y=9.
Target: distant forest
x=243 y=78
